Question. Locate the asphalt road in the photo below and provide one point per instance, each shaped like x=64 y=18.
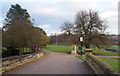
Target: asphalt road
x=54 y=63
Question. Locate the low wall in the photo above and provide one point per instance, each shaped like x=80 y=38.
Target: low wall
x=99 y=66
x=15 y=61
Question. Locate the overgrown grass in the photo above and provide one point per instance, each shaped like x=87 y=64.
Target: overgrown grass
x=114 y=64
x=58 y=48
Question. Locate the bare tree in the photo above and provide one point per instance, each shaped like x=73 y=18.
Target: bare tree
x=67 y=27
x=90 y=26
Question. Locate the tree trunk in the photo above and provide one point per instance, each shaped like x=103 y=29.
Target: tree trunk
x=20 y=51
x=33 y=49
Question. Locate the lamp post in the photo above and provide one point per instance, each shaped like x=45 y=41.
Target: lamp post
x=80 y=46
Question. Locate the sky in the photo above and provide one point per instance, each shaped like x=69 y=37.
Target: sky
x=51 y=14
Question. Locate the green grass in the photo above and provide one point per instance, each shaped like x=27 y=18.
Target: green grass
x=27 y=50
x=64 y=49
x=58 y=48
x=112 y=63
x=4 y=48
x=115 y=47
x=116 y=58
x=81 y=57
x=105 y=53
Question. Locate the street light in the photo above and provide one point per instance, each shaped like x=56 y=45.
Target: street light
x=80 y=46
x=81 y=39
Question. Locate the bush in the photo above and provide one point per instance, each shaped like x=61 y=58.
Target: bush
x=9 y=51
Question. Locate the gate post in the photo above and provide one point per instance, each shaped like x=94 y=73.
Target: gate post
x=74 y=49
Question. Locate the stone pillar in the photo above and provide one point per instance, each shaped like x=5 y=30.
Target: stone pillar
x=74 y=49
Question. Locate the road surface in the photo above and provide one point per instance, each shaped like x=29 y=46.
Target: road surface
x=54 y=63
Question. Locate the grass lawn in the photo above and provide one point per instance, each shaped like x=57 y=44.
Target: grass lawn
x=58 y=48
x=65 y=49
x=106 y=53
x=116 y=58
x=115 y=47
x=27 y=50
x=114 y=64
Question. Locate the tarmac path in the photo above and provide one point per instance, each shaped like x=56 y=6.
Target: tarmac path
x=54 y=63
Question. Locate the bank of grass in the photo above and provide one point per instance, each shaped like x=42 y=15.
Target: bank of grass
x=114 y=64
x=58 y=48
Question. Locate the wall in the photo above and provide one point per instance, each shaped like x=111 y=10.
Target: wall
x=15 y=61
x=99 y=66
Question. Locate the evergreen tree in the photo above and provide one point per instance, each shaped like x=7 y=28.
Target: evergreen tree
x=16 y=29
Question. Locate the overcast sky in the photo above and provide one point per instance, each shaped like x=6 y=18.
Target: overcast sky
x=50 y=14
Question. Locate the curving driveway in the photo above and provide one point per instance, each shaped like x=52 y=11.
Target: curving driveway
x=54 y=63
